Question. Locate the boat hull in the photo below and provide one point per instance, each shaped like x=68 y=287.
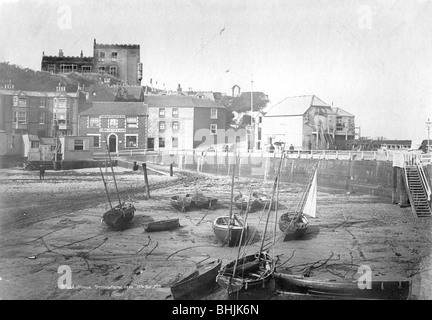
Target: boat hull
x=203 y=202
x=181 y=203
x=385 y=289
x=198 y=284
x=163 y=225
x=298 y=230
x=230 y=235
x=242 y=203
x=118 y=217
x=254 y=283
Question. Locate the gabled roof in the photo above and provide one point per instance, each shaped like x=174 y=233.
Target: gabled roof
x=295 y=106
x=341 y=112
x=176 y=101
x=116 y=108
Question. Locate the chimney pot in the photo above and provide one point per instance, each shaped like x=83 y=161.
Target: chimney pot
x=60 y=53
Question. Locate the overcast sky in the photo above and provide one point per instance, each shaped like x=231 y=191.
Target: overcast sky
x=371 y=58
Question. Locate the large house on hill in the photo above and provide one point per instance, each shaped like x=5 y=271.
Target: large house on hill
x=306 y=122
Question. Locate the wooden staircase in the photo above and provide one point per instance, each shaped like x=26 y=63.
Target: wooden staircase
x=417 y=191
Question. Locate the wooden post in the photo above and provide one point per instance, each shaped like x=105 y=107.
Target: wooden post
x=403 y=193
x=171 y=170
x=347 y=186
x=395 y=183
x=146 y=180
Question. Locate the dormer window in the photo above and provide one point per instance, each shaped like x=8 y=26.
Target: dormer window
x=101 y=56
x=113 y=56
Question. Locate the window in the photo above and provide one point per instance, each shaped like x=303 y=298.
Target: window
x=51 y=68
x=22 y=117
x=161 y=142
x=22 y=102
x=60 y=117
x=161 y=125
x=101 y=56
x=15 y=117
x=42 y=117
x=175 y=125
x=101 y=70
x=93 y=122
x=113 y=71
x=113 y=56
x=213 y=113
x=15 y=101
x=175 y=112
x=131 y=141
x=66 y=68
x=78 y=144
x=131 y=122
x=112 y=123
x=34 y=144
x=61 y=103
x=161 y=112
x=86 y=69
x=42 y=102
x=213 y=128
x=175 y=142
x=96 y=140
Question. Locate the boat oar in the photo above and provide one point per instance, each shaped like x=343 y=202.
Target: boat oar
x=106 y=189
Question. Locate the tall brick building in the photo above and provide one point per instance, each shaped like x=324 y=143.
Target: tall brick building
x=119 y=60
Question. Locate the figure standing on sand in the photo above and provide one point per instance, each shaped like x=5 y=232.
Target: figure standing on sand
x=135 y=166
x=41 y=172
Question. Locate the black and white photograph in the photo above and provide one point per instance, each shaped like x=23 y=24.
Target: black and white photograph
x=199 y=152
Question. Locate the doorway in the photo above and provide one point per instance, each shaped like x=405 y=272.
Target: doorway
x=150 y=144
x=112 y=142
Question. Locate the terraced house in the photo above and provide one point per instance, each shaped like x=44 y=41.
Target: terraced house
x=174 y=120
x=37 y=115
x=120 y=125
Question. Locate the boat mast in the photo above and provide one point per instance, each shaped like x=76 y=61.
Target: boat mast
x=106 y=189
x=115 y=182
x=232 y=196
x=271 y=200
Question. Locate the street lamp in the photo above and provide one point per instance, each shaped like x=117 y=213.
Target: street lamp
x=428 y=126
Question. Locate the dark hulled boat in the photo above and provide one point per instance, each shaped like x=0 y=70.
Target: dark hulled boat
x=163 y=225
x=247 y=278
x=379 y=289
x=198 y=283
x=118 y=217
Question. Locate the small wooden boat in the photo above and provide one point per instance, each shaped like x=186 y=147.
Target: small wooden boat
x=297 y=228
x=241 y=201
x=381 y=289
x=296 y=223
x=263 y=200
x=201 y=201
x=250 y=277
x=198 y=283
x=163 y=225
x=181 y=203
x=229 y=230
x=118 y=217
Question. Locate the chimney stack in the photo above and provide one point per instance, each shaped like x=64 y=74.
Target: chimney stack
x=81 y=54
x=60 y=53
x=179 y=90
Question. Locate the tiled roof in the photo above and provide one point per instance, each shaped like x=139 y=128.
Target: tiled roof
x=291 y=106
x=116 y=108
x=341 y=112
x=179 y=102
